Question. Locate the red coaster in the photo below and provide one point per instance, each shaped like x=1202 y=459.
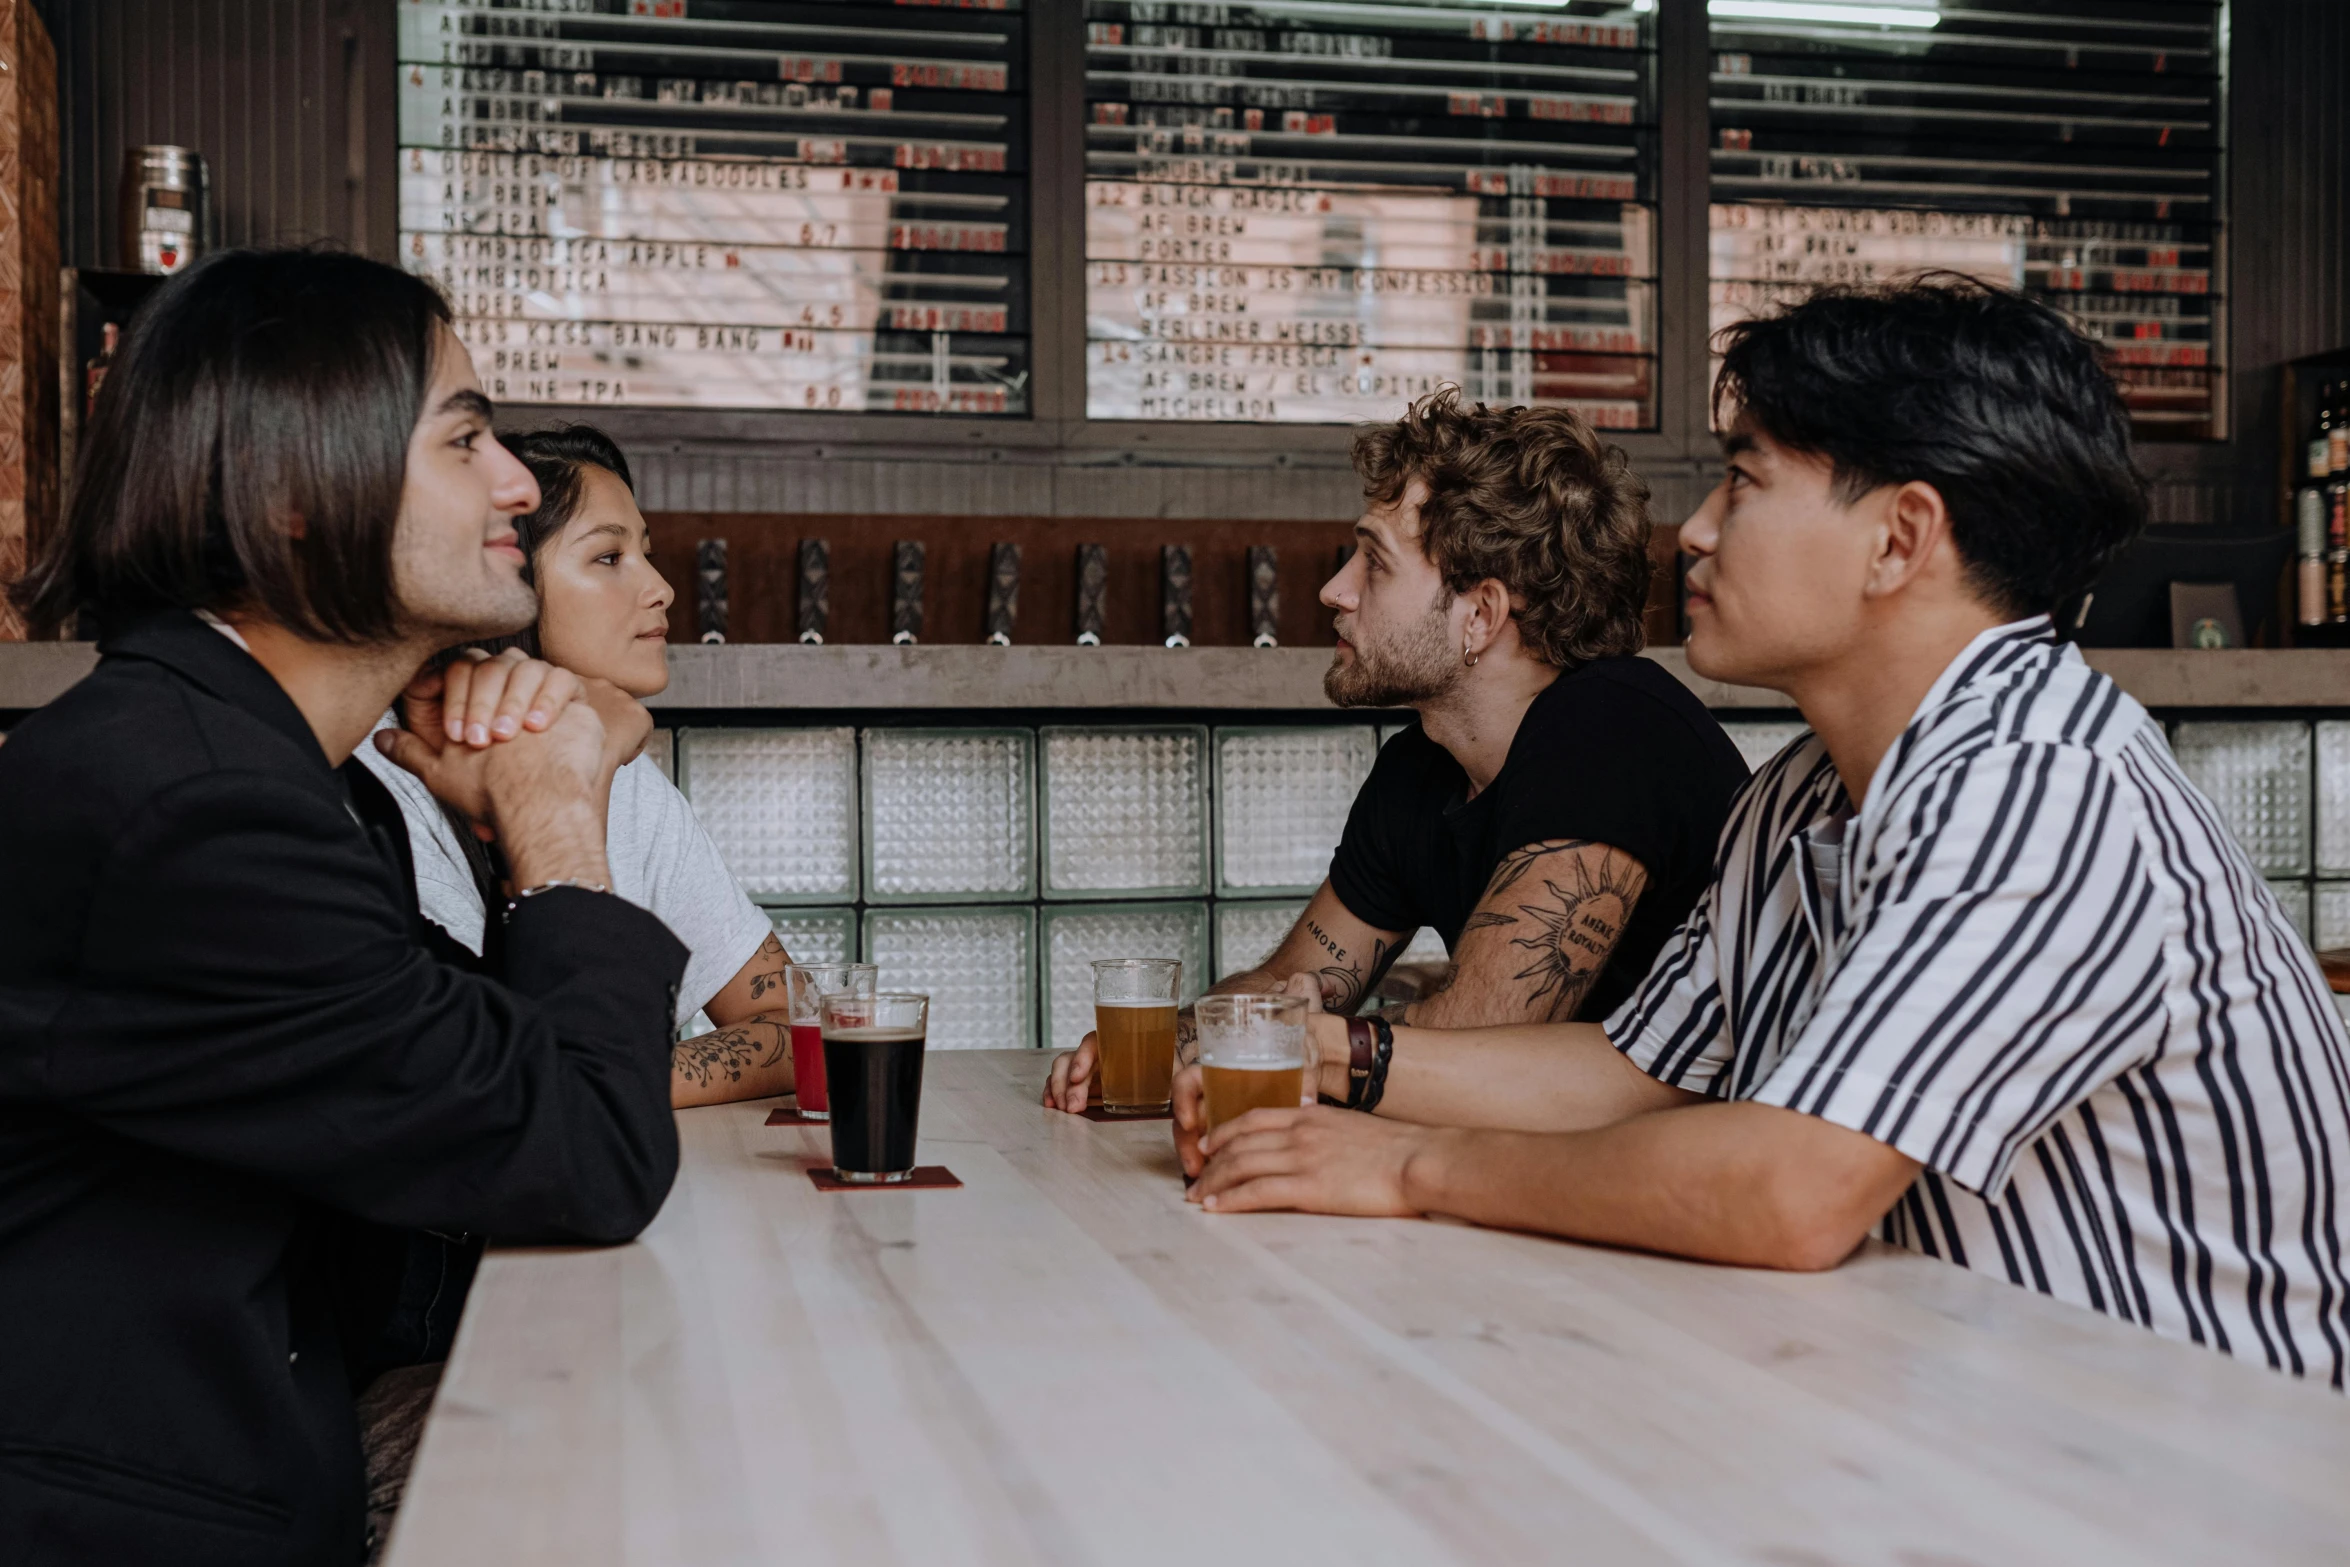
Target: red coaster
x=1097 y=1113
x=793 y=1118
x=936 y=1177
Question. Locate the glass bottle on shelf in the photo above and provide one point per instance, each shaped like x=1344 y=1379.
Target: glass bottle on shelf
x=2338 y=433
x=2337 y=515
x=2310 y=546
x=94 y=373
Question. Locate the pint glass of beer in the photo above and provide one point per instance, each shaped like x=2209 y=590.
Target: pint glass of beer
x=873 y=1066
x=805 y=985
x=1134 y=1021
x=1254 y=1054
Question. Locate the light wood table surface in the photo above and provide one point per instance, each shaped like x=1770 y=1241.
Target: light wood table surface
x=1065 y=1363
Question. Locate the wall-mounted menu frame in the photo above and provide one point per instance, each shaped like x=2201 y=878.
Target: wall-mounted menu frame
x=1049 y=78
x=1311 y=211
x=2071 y=148
x=805 y=206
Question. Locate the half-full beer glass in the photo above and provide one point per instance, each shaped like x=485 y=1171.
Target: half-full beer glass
x=1254 y=1054
x=873 y=1059
x=1134 y=1023
x=805 y=985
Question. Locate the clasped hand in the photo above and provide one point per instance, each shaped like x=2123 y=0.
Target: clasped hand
x=494 y=738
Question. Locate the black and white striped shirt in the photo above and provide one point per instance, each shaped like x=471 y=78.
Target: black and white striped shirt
x=2036 y=963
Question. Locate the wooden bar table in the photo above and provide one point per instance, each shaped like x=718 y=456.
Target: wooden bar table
x=1064 y=1363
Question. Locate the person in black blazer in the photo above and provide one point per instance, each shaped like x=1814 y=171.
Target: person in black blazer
x=233 y=1070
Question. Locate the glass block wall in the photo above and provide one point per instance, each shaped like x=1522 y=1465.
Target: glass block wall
x=991 y=866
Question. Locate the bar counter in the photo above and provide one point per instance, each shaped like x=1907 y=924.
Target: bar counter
x=784 y=677
x=1063 y=1362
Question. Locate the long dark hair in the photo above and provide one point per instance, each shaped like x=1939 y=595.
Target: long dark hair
x=559 y=459
x=258 y=389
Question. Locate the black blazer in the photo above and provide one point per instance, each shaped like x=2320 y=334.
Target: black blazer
x=226 y=1054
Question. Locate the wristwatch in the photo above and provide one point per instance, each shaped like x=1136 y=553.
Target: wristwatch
x=515 y=902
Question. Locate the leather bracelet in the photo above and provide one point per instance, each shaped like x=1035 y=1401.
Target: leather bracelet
x=1376 y=1087
x=1361 y=1048
x=515 y=902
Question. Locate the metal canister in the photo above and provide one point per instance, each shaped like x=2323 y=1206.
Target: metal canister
x=166 y=208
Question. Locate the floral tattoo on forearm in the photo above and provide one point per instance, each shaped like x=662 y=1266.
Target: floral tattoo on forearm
x=730 y=1052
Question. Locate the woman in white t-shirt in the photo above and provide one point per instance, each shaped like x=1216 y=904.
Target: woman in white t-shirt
x=604 y=611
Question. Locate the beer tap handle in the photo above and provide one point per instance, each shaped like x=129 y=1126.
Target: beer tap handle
x=1264 y=595
x=1175 y=594
x=815 y=590
x=1093 y=593
x=905 y=594
x=1003 y=593
x=710 y=589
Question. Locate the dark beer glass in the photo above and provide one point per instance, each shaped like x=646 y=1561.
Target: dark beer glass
x=873 y=1066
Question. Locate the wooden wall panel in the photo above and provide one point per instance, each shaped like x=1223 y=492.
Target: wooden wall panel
x=28 y=292
x=763 y=556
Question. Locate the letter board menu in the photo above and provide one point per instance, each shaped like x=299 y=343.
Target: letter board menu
x=2069 y=149
x=1305 y=211
x=815 y=205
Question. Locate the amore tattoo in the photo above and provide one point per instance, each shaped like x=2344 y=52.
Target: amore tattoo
x=1344 y=980
x=1569 y=931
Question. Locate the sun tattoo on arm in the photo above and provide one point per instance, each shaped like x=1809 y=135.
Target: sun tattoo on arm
x=1571 y=932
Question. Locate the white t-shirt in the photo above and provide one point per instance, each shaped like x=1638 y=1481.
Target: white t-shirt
x=662 y=861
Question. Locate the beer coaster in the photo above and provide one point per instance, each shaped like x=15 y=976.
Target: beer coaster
x=791 y=1116
x=934 y=1177
x=1097 y=1113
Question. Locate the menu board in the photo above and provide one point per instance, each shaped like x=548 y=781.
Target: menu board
x=817 y=205
x=1299 y=211
x=2071 y=150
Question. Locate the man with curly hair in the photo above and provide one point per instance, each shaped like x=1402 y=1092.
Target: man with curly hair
x=1981 y=973
x=1553 y=814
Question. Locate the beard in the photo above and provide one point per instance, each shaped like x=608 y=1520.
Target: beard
x=447 y=598
x=1417 y=665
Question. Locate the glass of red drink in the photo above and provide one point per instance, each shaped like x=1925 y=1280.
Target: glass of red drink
x=805 y=985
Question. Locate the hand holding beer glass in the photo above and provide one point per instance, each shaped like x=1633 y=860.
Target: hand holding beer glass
x=1254 y=1054
x=1134 y=1002
x=805 y=985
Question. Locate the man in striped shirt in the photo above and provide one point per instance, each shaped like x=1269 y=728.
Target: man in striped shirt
x=1980 y=970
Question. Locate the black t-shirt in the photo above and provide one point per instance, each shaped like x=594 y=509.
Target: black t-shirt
x=1615 y=752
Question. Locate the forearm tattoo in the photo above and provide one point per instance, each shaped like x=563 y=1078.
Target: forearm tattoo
x=1567 y=932
x=1346 y=978
x=730 y=1052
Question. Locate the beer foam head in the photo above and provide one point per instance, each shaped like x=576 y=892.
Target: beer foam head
x=1257 y=1046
